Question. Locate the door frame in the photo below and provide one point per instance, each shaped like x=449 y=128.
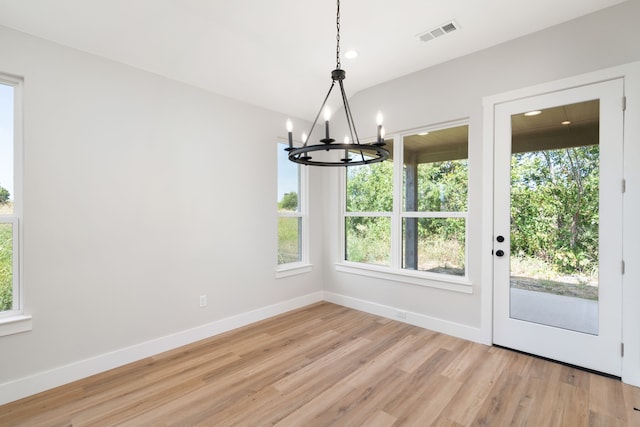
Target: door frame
x=631 y=208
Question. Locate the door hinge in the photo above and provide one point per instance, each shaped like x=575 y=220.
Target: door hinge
x=623 y=266
x=624 y=103
x=622 y=349
x=624 y=185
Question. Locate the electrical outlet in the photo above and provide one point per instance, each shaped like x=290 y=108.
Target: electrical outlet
x=203 y=300
x=401 y=315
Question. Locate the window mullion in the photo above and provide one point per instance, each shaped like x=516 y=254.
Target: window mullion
x=303 y=176
x=396 y=218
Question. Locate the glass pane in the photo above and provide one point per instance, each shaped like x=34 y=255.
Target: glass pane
x=370 y=187
x=6 y=149
x=436 y=245
x=435 y=171
x=368 y=240
x=288 y=182
x=289 y=243
x=555 y=216
x=6 y=267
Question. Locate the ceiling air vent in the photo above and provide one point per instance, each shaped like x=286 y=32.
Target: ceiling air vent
x=438 y=31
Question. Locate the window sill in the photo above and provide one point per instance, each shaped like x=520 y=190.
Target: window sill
x=15 y=324
x=430 y=280
x=286 y=270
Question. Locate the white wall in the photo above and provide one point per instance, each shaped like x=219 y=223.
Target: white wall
x=455 y=90
x=140 y=195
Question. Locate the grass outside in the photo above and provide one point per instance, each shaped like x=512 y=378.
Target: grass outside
x=438 y=255
x=6 y=208
x=536 y=275
x=288 y=240
x=6 y=267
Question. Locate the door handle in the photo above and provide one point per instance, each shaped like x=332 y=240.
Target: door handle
x=499 y=252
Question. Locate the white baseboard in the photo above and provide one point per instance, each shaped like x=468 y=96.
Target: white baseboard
x=23 y=387
x=432 y=323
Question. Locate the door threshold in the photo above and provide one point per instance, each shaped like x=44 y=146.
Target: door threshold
x=591 y=371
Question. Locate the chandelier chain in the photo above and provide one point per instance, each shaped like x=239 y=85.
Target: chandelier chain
x=338 y=36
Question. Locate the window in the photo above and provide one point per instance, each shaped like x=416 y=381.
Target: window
x=369 y=208
x=10 y=135
x=292 y=234
x=409 y=213
x=435 y=176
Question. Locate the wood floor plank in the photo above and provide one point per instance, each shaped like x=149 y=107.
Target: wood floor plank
x=243 y=383
x=465 y=406
x=466 y=360
x=379 y=419
x=430 y=345
x=366 y=400
x=315 y=369
x=381 y=363
x=425 y=379
x=308 y=413
x=431 y=402
x=247 y=384
x=572 y=406
x=607 y=398
x=327 y=365
x=632 y=404
x=498 y=408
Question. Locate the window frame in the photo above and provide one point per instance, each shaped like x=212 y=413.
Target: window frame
x=303 y=265
x=15 y=320
x=395 y=271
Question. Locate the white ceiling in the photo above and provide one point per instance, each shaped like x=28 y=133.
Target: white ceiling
x=279 y=54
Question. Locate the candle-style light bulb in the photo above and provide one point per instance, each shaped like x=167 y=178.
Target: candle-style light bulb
x=346 y=152
x=304 y=138
x=327 y=116
x=289 y=134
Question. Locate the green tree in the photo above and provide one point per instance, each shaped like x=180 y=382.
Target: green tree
x=554 y=207
x=442 y=187
x=289 y=202
x=4 y=196
x=370 y=188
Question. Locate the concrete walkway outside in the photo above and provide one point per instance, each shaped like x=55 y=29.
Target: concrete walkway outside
x=572 y=313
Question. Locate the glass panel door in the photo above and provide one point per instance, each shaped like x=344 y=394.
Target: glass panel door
x=558 y=225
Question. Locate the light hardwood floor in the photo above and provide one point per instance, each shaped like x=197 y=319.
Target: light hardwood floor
x=326 y=365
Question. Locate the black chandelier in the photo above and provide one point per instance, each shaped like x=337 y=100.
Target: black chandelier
x=355 y=153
